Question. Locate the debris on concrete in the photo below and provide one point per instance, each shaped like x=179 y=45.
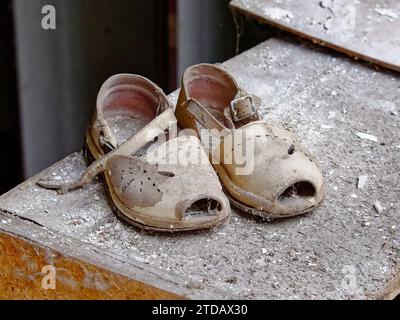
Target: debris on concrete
x=353 y=195
x=328 y=25
x=378 y=207
x=367 y=136
x=386 y=106
x=195 y=285
x=362 y=181
x=278 y=13
x=326 y=4
x=390 y=13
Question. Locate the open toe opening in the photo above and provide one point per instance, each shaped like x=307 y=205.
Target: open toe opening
x=299 y=197
x=298 y=189
x=203 y=208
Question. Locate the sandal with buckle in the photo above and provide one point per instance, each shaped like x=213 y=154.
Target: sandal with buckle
x=155 y=182
x=263 y=168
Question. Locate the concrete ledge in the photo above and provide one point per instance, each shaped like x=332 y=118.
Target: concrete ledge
x=343 y=250
x=360 y=29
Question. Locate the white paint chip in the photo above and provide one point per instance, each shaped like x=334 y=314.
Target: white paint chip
x=332 y=114
x=367 y=136
x=378 y=207
x=362 y=181
x=278 y=13
x=261 y=262
x=353 y=195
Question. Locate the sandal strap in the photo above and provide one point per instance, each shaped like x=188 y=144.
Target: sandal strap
x=203 y=116
x=106 y=138
x=242 y=110
x=152 y=130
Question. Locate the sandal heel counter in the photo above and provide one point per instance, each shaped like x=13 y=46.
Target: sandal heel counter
x=185 y=119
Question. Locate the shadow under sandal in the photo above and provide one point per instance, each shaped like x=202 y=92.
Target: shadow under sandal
x=263 y=168
x=155 y=182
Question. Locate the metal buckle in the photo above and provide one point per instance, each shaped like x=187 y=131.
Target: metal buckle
x=239 y=115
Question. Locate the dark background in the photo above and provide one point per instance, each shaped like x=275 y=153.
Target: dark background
x=49 y=78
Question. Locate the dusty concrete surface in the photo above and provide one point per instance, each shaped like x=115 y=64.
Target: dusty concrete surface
x=359 y=28
x=343 y=250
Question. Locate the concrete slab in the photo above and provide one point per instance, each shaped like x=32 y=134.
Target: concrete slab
x=362 y=29
x=343 y=250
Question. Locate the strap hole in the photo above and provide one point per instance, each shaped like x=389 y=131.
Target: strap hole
x=167 y=174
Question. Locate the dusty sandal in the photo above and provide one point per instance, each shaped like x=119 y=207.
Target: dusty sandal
x=281 y=179
x=167 y=185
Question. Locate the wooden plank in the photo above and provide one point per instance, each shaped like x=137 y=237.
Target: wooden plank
x=343 y=250
x=23 y=271
x=361 y=29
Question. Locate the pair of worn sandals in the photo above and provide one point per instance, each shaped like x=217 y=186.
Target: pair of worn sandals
x=161 y=178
